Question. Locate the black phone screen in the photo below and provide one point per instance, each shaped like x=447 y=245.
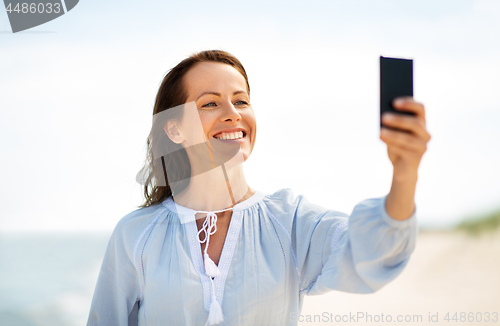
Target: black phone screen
x=396 y=79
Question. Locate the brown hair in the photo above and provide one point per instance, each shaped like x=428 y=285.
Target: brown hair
x=170 y=94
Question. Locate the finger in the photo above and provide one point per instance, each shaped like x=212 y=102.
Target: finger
x=402 y=139
x=407 y=103
x=411 y=146
x=412 y=124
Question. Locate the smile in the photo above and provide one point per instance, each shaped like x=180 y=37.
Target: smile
x=230 y=136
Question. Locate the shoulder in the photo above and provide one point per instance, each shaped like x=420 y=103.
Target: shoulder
x=283 y=200
x=130 y=227
x=285 y=203
x=281 y=197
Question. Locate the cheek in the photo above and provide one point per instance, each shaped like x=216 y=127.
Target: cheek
x=250 y=120
x=207 y=121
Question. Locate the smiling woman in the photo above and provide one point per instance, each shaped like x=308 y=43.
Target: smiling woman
x=205 y=248
x=175 y=90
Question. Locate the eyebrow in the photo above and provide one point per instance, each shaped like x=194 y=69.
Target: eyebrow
x=218 y=94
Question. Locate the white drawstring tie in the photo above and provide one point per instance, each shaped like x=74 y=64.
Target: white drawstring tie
x=215 y=315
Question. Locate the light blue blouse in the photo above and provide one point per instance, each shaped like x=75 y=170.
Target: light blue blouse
x=278 y=249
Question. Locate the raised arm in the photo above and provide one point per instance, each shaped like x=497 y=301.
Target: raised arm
x=358 y=254
x=405 y=148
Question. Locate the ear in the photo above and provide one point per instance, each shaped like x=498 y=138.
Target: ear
x=172 y=132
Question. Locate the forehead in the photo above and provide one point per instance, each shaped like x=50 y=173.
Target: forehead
x=213 y=76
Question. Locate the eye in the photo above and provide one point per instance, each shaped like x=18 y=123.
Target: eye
x=241 y=103
x=210 y=104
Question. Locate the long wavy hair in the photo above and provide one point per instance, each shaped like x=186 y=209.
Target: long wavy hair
x=172 y=92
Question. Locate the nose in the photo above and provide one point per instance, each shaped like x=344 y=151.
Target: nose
x=229 y=112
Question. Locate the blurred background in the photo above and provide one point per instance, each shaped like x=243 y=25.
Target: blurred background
x=76 y=99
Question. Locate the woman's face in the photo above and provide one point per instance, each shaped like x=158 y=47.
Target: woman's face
x=221 y=97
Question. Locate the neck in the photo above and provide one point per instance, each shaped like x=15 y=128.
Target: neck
x=214 y=190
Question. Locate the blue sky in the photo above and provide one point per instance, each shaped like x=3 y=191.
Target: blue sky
x=76 y=98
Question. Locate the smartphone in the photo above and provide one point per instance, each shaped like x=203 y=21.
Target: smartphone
x=396 y=79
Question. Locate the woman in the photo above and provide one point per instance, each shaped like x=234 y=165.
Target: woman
x=205 y=248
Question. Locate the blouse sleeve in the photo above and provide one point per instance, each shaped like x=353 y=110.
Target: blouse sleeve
x=118 y=290
x=358 y=253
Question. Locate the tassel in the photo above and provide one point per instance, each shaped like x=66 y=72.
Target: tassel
x=215 y=315
x=210 y=268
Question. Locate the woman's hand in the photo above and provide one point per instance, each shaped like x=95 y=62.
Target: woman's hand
x=405 y=147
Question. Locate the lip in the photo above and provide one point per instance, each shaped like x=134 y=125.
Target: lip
x=241 y=140
x=230 y=130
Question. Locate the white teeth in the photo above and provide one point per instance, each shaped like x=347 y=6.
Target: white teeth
x=233 y=135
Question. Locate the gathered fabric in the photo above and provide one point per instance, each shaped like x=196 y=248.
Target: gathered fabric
x=278 y=248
